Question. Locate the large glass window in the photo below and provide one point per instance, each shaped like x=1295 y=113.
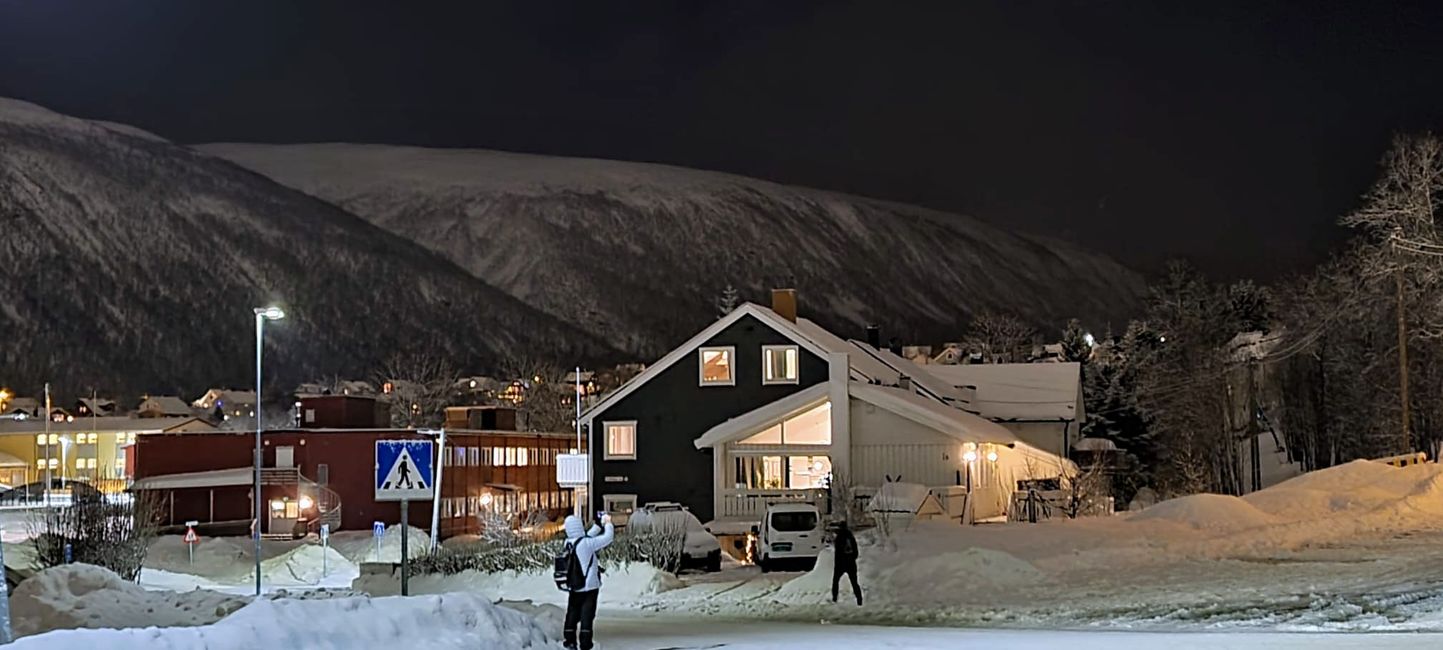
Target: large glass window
x=811 y=427
x=716 y=366
x=781 y=472
x=620 y=441
x=779 y=364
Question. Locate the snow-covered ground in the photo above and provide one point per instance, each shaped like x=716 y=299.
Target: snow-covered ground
x=1355 y=552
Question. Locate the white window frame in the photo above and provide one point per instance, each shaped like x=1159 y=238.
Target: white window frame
x=731 y=352
x=606 y=440
x=609 y=501
x=783 y=349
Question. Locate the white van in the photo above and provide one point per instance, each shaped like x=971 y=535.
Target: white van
x=790 y=533
x=702 y=550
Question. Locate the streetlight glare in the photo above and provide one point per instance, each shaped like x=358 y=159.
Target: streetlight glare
x=270 y=313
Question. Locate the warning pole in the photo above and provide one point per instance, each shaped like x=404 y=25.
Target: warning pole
x=405 y=547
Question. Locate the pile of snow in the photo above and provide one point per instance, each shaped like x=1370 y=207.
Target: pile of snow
x=621 y=585
x=906 y=576
x=1207 y=511
x=306 y=565
x=87 y=596
x=433 y=622
x=898 y=497
x=360 y=547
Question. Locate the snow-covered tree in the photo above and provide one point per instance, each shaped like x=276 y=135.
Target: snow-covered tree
x=1075 y=345
x=726 y=301
x=999 y=338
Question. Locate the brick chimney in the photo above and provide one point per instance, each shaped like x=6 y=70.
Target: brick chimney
x=784 y=303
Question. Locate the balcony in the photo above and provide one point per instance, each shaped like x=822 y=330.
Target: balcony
x=750 y=504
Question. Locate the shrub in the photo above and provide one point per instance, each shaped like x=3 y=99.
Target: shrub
x=535 y=556
x=111 y=534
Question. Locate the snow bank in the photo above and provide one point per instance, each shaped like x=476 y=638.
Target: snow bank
x=434 y=622
x=360 y=547
x=1207 y=511
x=620 y=586
x=306 y=565
x=87 y=596
x=907 y=576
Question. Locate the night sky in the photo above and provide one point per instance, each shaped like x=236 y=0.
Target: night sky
x=1233 y=137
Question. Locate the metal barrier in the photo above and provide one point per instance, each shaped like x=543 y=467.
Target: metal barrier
x=1404 y=460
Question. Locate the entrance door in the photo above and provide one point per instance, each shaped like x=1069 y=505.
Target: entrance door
x=285 y=456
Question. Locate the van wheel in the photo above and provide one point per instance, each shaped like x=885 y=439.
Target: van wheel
x=713 y=561
x=765 y=564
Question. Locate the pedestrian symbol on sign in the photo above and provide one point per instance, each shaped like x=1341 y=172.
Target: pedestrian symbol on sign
x=403 y=470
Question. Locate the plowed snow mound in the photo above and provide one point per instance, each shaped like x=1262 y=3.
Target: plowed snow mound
x=304 y=565
x=1343 y=478
x=1207 y=511
x=445 y=622
x=900 y=578
x=86 y=596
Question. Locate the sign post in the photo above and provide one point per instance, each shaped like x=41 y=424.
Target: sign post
x=191 y=539
x=404 y=471
x=325 y=548
x=5 y=635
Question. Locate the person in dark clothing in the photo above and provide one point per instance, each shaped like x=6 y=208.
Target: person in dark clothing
x=844 y=547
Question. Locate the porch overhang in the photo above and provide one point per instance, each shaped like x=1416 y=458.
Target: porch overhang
x=756 y=420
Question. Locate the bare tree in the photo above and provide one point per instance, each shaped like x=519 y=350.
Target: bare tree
x=548 y=403
x=114 y=534
x=1000 y=338
x=417 y=386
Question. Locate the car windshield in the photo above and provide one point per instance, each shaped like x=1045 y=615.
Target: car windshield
x=793 y=522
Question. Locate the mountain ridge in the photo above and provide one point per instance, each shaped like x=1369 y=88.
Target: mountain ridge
x=919 y=272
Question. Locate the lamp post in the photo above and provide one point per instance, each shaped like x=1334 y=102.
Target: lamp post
x=263 y=314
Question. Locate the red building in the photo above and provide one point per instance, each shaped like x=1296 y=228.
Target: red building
x=324 y=473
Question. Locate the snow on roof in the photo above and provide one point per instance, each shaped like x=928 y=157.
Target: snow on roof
x=212 y=478
x=930 y=413
x=1019 y=391
x=919 y=375
x=757 y=419
x=109 y=423
x=166 y=405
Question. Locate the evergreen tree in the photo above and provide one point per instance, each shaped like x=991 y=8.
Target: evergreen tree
x=726 y=301
x=1075 y=345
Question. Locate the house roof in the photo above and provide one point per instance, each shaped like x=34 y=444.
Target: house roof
x=166 y=405
x=935 y=415
x=1019 y=391
x=26 y=404
x=212 y=478
x=747 y=423
x=227 y=396
x=98 y=405
x=766 y=316
x=928 y=382
x=109 y=423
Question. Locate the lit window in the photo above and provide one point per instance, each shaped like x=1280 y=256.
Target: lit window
x=498 y=456
x=522 y=456
x=54 y=439
x=620 y=441
x=619 y=503
x=716 y=366
x=779 y=364
x=40 y=439
x=810 y=427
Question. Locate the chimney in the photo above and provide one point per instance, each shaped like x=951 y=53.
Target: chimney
x=784 y=303
x=874 y=337
x=905 y=383
x=895 y=346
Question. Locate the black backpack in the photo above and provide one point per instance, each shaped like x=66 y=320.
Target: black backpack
x=568 y=572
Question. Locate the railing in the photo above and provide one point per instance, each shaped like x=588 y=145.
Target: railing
x=328 y=507
x=280 y=475
x=1404 y=460
x=750 y=504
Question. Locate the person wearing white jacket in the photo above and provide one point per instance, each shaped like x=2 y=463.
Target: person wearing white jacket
x=581 y=604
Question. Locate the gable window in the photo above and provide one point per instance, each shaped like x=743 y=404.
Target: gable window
x=779 y=364
x=716 y=366
x=620 y=441
x=810 y=427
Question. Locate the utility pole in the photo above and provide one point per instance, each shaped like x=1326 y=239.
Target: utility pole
x=1403 y=361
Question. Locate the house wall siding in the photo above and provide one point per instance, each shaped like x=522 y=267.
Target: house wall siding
x=672 y=410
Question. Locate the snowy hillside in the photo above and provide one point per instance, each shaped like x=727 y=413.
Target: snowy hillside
x=637 y=252
x=130 y=259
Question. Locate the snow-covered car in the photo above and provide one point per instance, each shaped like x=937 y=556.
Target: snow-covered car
x=790 y=533
x=701 y=549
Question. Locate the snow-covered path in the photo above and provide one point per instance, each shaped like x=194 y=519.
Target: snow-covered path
x=678 y=633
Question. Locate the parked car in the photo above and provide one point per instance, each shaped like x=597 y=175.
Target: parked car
x=700 y=550
x=790 y=533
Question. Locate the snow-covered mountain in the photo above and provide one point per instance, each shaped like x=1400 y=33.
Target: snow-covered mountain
x=132 y=264
x=638 y=252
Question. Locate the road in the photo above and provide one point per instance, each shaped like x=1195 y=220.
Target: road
x=622 y=632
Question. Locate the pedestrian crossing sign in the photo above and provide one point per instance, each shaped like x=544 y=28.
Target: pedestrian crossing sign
x=403 y=470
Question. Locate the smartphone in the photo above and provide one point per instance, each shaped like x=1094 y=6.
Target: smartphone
x=600 y=514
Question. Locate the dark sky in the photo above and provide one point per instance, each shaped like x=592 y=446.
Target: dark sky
x=1233 y=136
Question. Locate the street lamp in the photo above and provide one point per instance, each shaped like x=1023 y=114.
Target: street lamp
x=263 y=314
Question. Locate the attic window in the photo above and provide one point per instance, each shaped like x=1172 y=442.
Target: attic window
x=779 y=364
x=716 y=366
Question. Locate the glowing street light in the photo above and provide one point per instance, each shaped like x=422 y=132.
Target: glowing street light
x=263 y=314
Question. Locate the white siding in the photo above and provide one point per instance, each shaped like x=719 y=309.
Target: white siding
x=1046 y=436
x=930 y=465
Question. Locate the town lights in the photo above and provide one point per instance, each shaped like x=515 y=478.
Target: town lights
x=306 y=503
x=969 y=455
x=991 y=456
x=486 y=499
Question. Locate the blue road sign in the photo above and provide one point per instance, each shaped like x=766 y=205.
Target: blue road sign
x=404 y=470
x=378 y=529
